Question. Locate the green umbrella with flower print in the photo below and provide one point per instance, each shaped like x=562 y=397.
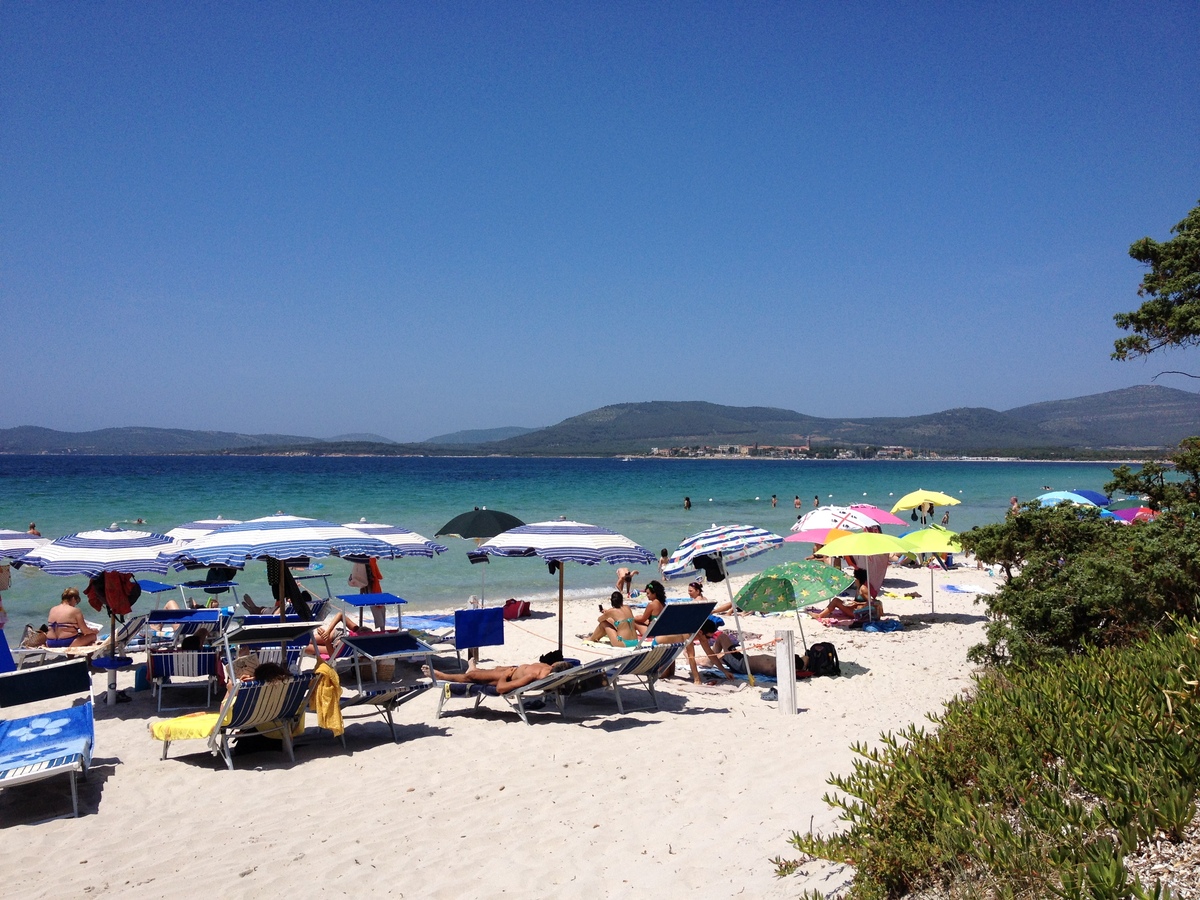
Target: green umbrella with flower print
x=792 y=585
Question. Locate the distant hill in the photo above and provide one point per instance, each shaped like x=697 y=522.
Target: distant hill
x=1148 y=417
x=135 y=441
x=361 y=438
x=479 y=435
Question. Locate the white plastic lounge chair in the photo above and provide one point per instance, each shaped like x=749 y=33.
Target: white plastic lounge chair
x=49 y=743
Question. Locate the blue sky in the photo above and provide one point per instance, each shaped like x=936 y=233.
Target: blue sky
x=415 y=218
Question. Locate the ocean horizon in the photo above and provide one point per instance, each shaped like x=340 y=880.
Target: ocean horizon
x=640 y=497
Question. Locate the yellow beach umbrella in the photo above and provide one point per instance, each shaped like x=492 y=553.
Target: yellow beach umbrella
x=916 y=498
x=934 y=539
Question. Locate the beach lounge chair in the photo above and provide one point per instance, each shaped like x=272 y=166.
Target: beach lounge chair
x=373 y=650
x=49 y=743
x=166 y=667
x=559 y=686
x=644 y=667
x=182 y=622
x=250 y=705
x=126 y=632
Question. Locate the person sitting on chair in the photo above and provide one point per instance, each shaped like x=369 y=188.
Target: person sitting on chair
x=616 y=623
x=861 y=606
x=66 y=626
x=503 y=678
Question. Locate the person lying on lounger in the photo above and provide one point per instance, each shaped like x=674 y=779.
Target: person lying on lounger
x=504 y=678
x=861 y=606
x=65 y=624
x=616 y=623
x=325 y=637
x=760 y=664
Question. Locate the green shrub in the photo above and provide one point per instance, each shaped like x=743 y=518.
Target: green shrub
x=1035 y=786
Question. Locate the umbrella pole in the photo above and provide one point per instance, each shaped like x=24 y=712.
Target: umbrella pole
x=561 y=564
x=736 y=621
x=112 y=672
x=931 y=589
x=803 y=641
x=283 y=612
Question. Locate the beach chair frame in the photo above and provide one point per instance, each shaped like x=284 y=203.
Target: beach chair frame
x=19 y=765
x=164 y=664
x=252 y=705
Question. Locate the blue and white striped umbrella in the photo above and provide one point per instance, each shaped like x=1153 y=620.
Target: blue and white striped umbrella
x=192 y=530
x=734 y=543
x=406 y=543
x=562 y=542
x=15 y=544
x=727 y=544
x=567 y=542
x=111 y=549
x=277 y=537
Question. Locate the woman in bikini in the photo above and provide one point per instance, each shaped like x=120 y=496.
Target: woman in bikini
x=616 y=623
x=656 y=602
x=65 y=624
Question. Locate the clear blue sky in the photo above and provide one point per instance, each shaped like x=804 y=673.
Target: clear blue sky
x=413 y=218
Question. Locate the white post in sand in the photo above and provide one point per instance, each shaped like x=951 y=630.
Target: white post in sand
x=785 y=671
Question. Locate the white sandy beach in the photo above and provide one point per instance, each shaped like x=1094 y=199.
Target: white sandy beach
x=695 y=798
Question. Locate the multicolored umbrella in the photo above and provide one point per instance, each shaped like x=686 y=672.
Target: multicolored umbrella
x=864 y=543
x=816 y=536
x=792 y=585
x=722 y=546
x=563 y=541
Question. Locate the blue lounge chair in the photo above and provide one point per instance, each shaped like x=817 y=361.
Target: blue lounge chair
x=371 y=650
x=49 y=743
x=164 y=667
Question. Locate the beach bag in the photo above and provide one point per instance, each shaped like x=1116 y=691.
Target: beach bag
x=914 y=514
x=516 y=609
x=823 y=659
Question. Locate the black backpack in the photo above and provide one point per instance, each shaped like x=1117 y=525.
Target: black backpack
x=823 y=659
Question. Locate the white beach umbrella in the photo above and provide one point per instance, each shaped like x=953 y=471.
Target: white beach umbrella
x=405 y=542
x=842 y=517
x=563 y=541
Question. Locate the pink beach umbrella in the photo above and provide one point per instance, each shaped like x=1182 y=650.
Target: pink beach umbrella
x=1136 y=514
x=882 y=516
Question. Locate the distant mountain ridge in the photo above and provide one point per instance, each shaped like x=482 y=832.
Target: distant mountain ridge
x=1146 y=417
x=479 y=435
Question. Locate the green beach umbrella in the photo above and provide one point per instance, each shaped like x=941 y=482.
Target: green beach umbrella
x=792 y=585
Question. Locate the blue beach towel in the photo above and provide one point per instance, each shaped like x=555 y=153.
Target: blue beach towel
x=883 y=625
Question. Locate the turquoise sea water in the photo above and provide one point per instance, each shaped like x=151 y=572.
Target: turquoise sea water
x=640 y=498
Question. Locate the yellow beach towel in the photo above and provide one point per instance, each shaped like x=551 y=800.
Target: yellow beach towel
x=326 y=699
x=191 y=727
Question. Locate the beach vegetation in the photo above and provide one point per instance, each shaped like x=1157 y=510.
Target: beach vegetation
x=1064 y=779
x=1170 y=315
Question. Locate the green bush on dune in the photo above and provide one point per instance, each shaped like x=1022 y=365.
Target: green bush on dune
x=1036 y=786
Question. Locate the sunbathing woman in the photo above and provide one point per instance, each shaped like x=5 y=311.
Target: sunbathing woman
x=860 y=607
x=66 y=626
x=656 y=602
x=616 y=623
x=504 y=678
